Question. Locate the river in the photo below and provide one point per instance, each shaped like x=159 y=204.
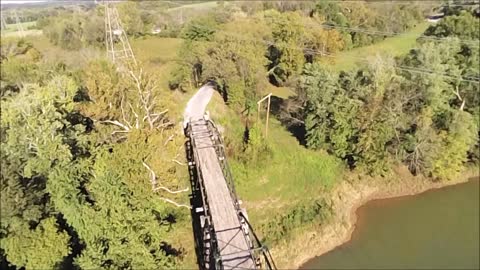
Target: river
x=438 y=229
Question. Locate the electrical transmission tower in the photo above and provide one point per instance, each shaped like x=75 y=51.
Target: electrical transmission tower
x=116 y=40
x=19 y=24
x=4 y=22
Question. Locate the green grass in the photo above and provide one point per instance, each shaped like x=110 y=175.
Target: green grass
x=290 y=176
x=156 y=49
x=14 y=27
x=12 y=30
x=286 y=177
x=395 y=46
x=158 y=56
x=196 y=6
x=281 y=92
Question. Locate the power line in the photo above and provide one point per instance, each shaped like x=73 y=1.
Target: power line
x=363 y=59
x=393 y=34
x=422 y=2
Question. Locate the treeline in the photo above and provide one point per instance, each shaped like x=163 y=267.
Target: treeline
x=244 y=54
x=82 y=27
x=372 y=117
x=82 y=165
x=75 y=28
x=233 y=49
x=384 y=113
x=356 y=19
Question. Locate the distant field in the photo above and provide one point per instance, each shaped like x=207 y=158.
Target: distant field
x=13 y=30
x=156 y=49
x=196 y=6
x=394 y=46
x=14 y=27
x=159 y=57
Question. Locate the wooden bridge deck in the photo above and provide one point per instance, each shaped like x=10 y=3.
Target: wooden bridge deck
x=232 y=245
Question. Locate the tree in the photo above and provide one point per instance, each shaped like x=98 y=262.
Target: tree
x=130 y=16
x=376 y=120
x=19 y=60
x=331 y=13
x=42 y=248
x=75 y=30
x=37 y=136
x=464 y=26
x=329 y=112
x=450 y=156
x=104 y=89
x=233 y=60
x=286 y=59
x=200 y=29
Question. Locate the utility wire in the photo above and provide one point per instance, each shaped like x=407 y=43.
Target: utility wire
x=393 y=34
x=363 y=59
x=416 y=2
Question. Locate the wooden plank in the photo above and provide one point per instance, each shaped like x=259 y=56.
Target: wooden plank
x=232 y=244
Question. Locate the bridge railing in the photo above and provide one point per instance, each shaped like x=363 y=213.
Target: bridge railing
x=258 y=251
x=264 y=252
x=220 y=149
x=208 y=227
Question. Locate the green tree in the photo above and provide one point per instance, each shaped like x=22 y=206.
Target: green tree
x=131 y=18
x=200 y=29
x=450 y=157
x=42 y=248
x=286 y=59
x=104 y=90
x=464 y=26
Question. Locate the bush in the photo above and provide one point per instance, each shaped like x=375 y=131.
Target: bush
x=303 y=214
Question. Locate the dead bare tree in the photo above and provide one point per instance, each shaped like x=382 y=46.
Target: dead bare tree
x=157 y=187
x=138 y=108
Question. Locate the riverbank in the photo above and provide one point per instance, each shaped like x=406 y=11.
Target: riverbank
x=353 y=192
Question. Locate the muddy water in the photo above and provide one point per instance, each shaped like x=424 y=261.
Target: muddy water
x=435 y=230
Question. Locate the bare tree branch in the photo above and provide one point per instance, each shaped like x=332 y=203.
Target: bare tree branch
x=115 y=122
x=176 y=204
x=153 y=180
x=170 y=191
x=153 y=177
x=169 y=139
x=123 y=112
x=178 y=162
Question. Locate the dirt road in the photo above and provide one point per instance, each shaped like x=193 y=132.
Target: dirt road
x=197 y=104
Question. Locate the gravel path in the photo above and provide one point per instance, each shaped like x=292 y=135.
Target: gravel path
x=197 y=104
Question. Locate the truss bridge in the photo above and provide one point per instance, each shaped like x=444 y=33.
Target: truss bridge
x=223 y=235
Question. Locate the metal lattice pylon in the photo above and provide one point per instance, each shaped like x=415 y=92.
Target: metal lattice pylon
x=3 y=21
x=116 y=40
x=19 y=24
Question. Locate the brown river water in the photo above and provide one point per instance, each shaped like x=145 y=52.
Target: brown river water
x=438 y=229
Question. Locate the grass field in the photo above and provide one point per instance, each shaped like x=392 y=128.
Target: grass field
x=395 y=46
x=268 y=188
x=196 y=6
x=13 y=30
x=281 y=92
x=14 y=27
x=159 y=57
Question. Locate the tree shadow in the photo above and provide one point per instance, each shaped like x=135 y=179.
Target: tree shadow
x=4 y=264
x=170 y=250
x=75 y=243
x=290 y=112
x=196 y=202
